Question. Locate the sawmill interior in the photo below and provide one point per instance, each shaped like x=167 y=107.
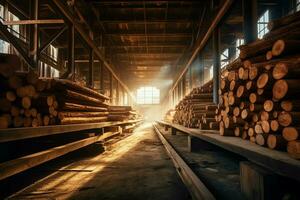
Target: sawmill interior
x=105 y=99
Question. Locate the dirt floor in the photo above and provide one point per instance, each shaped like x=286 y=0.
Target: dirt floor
x=136 y=167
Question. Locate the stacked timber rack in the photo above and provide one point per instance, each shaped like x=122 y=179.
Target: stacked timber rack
x=121 y=113
x=197 y=110
x=37 y=111
x=29 y=101
x=259 y=94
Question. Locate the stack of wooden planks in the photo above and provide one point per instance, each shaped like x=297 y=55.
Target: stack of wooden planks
x=196 y=110
x=28 y=101
x=259 y=95
x=121 y=113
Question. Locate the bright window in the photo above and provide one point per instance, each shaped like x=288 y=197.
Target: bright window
x=238 y=43
x=262 y=24
x=4 y=46
x=125 y=99
x=148 y=95
x=53 y=52
x=15 y=29
x=211 y=72
x=224 y=58
x=298 y=5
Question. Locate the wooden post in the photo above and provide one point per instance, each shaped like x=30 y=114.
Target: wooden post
x=101 y=78
x=111 y=87
x=71 y=45
x=173 y=131
x=195 y=144
x=250 y=20
x=117 y=94
x=91 y=67
x=258 y=183
x=34 y=32
x=184 y=85
x=167 y=128
x=216 y=65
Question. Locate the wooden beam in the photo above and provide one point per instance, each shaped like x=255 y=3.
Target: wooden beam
x=250 y=20
x=201 y=42
x=278 y=162
x=52 y=39
x=91 y=68
x=13 y=40
x=14 y=134
x=196 y=187
x=216 y=65
x=69 y=16
x=29 y=22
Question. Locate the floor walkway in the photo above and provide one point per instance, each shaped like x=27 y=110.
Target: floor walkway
x=136 y=167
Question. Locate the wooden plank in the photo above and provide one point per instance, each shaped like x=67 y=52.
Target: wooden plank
x=276 y=161
x=18 y=165
x=257 y=183
x=13 y=134
x=196 y=187
x=39 y=21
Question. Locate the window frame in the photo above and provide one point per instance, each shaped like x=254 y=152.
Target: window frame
x=262 y=24
x=148 y=95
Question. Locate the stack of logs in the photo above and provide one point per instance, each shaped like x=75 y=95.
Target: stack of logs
x=259 y=93
x=121 y=113
x=196 y=110
x=169 y=116
x=27 y=101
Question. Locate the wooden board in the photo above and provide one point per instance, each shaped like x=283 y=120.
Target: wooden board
x=276 y=161
x=13 y=134
x=196 y=187
x=18 y=165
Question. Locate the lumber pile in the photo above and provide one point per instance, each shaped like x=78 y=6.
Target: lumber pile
x=196 y=110
x=259 y=96
x=122 y=113
x=27 y=101
x=169 y=116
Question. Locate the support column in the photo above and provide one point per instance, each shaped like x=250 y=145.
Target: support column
x=34 y=32
x=216 y=64
x=71 y=45
x=111 y=87
x=184 y=85
x=190 y=79
x=117 y=94
x=101 y=78
x=250 y=20
x=258 y=183
x=91 y=67
x=173 y=131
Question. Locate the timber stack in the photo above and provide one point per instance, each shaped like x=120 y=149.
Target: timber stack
x=196 y=110
x=259 y=96
x=122 y=113
x=28 y=101
x=169 y=116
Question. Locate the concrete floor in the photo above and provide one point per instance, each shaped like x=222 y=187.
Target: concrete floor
x=136 y=167
x=218 y=169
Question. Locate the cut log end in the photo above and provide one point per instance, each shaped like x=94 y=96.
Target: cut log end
x=290 y=133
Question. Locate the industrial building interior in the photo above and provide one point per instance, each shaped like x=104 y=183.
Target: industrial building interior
x=105 y=99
